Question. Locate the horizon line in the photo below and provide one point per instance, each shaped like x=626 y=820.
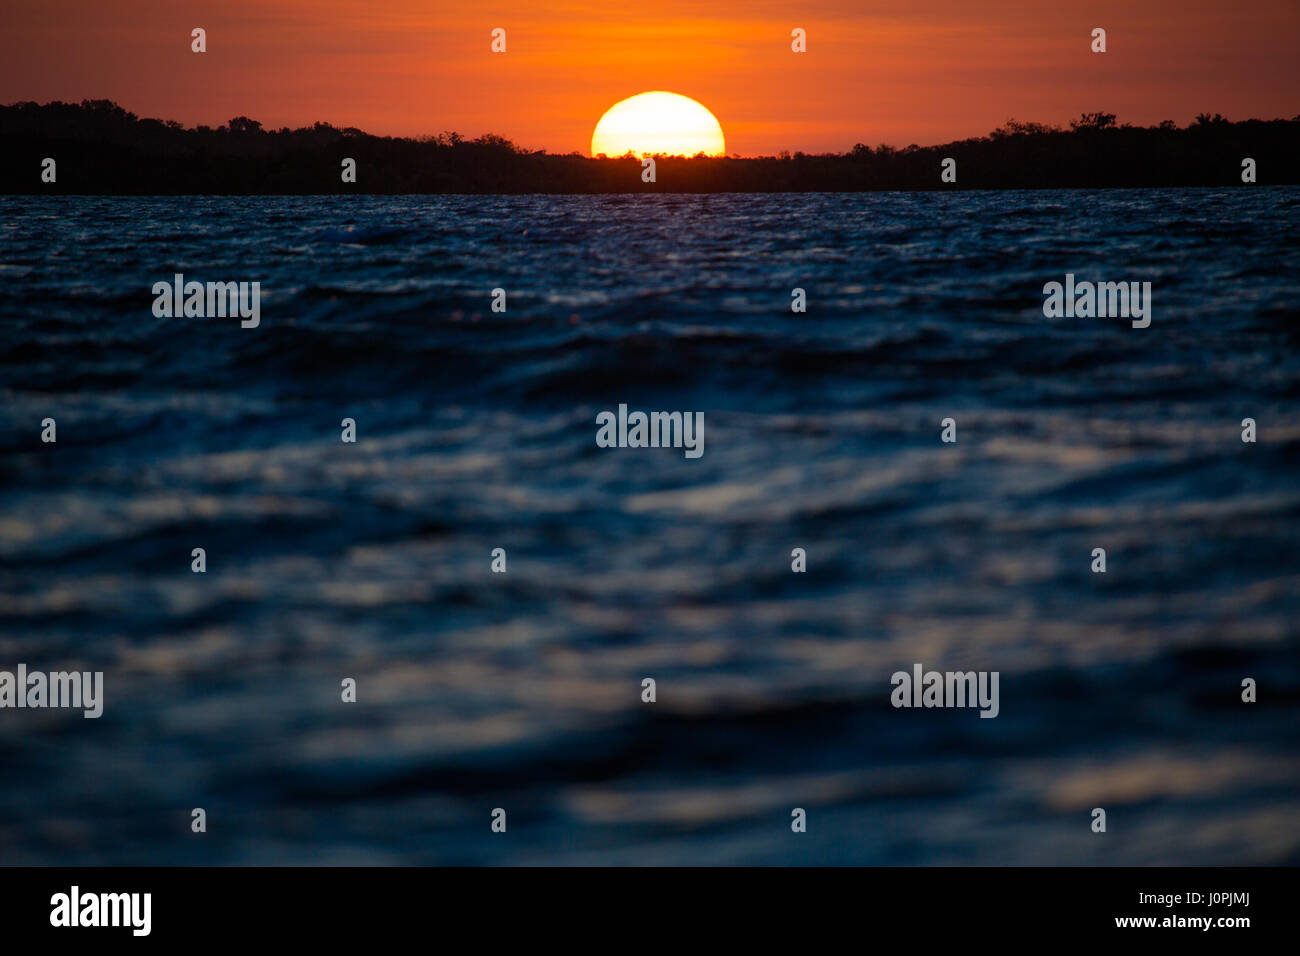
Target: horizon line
x=1094 y=121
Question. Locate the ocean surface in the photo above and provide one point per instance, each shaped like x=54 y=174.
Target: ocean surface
x=476 y=430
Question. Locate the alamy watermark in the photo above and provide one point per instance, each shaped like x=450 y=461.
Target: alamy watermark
x=75 y=908
x=651 y=430
x=1102 y=300
x=199 y=300
x=923 y=688
x=37 y=689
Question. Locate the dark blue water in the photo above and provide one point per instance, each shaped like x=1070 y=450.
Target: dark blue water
x=476 y=430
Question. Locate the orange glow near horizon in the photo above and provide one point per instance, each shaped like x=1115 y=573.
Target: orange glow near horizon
x=891 y=71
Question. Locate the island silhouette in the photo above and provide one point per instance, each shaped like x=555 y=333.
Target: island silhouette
x=101 y=148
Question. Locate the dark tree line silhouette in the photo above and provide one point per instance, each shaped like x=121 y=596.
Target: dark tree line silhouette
x=101 y=148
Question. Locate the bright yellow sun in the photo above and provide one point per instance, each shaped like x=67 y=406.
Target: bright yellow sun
x=658 y=123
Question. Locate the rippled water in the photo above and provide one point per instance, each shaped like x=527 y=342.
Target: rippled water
x=476 y=429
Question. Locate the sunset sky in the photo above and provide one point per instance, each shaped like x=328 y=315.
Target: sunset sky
x=893 y=71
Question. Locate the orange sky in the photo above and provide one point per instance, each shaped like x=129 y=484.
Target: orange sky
x=895 y=71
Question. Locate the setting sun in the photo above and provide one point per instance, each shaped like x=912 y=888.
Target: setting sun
x=658 y=123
